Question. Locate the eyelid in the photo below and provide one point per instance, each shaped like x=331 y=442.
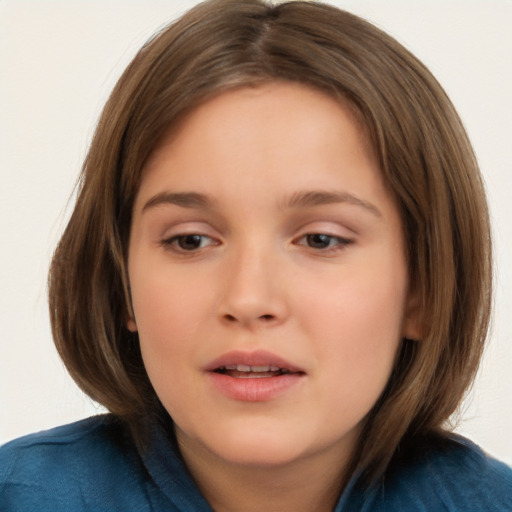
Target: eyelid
x=331 y=223
x=340 y=235
x=341 y=241
x=172 y=243
x=180 y=227
x=170 y=236
x=338 y=227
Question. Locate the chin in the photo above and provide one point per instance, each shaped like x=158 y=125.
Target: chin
x=260 y=456
x=255 y=448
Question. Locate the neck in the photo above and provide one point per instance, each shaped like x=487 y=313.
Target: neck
x=311 y=484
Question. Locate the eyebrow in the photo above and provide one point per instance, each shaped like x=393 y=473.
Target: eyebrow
x=308 y=198
x=183 y=199
x=301 y=199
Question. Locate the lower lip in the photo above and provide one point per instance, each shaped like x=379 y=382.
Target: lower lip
x=254 y=389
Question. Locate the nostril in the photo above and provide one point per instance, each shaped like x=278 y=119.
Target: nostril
x=265 y=318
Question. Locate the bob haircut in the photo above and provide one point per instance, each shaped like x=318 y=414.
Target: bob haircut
x=424 y=155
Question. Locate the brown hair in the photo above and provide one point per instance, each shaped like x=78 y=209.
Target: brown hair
x=424 y=154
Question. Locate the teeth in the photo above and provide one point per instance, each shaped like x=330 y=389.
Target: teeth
x=260 y=368
x=246 y=368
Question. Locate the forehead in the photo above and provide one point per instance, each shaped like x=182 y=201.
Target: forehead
x=277 y=117
x=255 y=149
x=251 y=153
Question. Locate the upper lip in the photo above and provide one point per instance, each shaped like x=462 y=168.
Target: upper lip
x=255 y=358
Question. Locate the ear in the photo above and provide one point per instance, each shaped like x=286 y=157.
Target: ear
x=131 y=325
x=412 y=327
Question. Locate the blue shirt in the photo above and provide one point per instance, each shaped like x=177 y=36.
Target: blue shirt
x=91 y=466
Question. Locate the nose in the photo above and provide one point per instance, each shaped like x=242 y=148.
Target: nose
x=253 y=292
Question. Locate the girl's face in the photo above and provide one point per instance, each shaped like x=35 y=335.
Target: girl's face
x=268 y=277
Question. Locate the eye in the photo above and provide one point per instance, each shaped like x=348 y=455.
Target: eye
x=323 y=241
x=189 y=242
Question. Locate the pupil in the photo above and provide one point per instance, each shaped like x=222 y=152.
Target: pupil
x=318 y=241
x=189 y=242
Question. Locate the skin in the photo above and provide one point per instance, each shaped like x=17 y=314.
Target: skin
x=335 y=306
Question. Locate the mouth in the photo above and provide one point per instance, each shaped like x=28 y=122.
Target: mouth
x=252 y=365
x=258 y=376
x=245 y=371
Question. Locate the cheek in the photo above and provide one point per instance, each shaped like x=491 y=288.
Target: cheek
x=357 y=335
x=356 y=320
x=158 y=313
x=355 y=301
x=169 y=315
x=167 y=304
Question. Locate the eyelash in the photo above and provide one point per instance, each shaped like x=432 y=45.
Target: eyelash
x=334 y=243
x=339 y=242
x=174 y=242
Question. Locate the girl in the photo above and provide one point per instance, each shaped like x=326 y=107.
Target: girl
x=276 y=278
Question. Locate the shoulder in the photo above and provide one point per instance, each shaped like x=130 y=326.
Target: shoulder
x=449 y=475
x=84 y=465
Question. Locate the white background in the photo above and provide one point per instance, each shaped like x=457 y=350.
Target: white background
x=58 y=62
